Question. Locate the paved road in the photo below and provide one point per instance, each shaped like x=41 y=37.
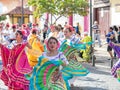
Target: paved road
x=99 y=77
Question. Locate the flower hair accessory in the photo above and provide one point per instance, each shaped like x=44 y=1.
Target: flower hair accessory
x=69 y=27
x=7 y=25
x=23 y=32
x=34 y=29
x=24 y=25
x=13 y=26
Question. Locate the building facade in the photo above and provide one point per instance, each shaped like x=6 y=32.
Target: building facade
x=115 y=12
x=8 y=5
x=107 y=13
x=15 y=15
x=13 y=11
x=101 y=13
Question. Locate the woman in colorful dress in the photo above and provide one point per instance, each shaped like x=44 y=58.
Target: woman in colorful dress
x=15 y=64
x=86 y=53
x=70 y=46
x=47 y=73
x=37 y=48
x=116 y=67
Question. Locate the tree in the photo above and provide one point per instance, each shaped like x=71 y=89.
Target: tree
x=59 y=7
x=2 y=18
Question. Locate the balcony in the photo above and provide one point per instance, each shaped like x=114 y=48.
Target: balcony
x=96 y=2
x=101 y=3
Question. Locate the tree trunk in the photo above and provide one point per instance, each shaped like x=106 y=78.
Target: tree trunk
x=47 y=17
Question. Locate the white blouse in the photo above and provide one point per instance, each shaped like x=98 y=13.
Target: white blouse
x=59 y=56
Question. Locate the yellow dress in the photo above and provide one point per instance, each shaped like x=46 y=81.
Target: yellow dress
x=36 y=51
x=86 y=53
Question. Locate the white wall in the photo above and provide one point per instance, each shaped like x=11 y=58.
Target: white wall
x=62 y=20
x=115 y=17
x=80 y=19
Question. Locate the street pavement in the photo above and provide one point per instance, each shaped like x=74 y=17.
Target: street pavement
x=99 y=78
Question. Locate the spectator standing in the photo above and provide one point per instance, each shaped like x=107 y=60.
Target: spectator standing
x=1 y=29
x=78 y=29
x=96 y=32
x=12 y=33
x=110 y=38
x=5 y=34
x=115 y=30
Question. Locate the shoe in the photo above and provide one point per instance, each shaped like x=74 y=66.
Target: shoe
x=72 y=85
x=108 y=59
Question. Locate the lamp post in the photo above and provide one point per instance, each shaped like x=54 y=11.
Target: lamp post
x=92 y=49
x=91 y=18
x=22 y=18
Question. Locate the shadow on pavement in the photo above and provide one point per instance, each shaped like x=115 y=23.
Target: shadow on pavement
x=100 y=72
x=86 y=88
x=96 y=70
x=90 y=79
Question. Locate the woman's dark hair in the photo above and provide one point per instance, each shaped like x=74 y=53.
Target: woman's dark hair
x=119 y=27
x=115 y=28
x=33 y=31
x=111 y=28
x=53 y=38
x=20 y=32
x=57 y=28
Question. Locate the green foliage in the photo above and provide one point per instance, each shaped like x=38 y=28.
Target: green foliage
x=59 y=7
x=2 y=18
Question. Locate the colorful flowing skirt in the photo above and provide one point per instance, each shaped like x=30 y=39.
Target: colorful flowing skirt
x=116 y=67
x=15 y=65
x=74 y=68
x=69 y=49
x=46 y=76
x=116 y=70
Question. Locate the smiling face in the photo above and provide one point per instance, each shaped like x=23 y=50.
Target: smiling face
x=18 y=35
x=67 y=33
x=52 y=44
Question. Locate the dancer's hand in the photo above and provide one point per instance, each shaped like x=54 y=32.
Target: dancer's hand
x=38 y=38
x=29 y=46
x=0 y=45
x=116 y=44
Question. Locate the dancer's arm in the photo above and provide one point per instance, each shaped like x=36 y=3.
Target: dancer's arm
x=64 y=63
x=0 y=45
x=38 y=38
x=80 y=42
x=116 y=44
x=29 y=46
x=64 y=60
